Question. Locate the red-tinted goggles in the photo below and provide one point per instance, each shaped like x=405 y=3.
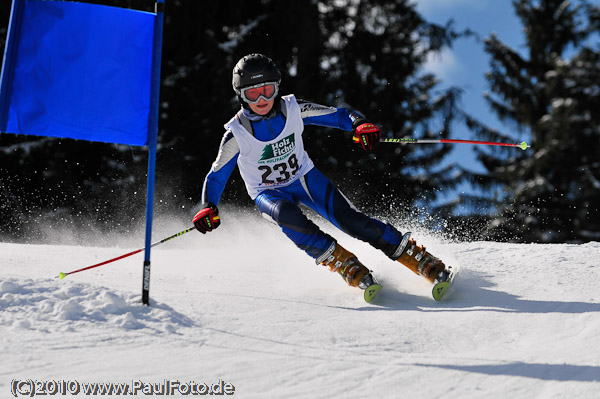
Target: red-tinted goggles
x=252 y=94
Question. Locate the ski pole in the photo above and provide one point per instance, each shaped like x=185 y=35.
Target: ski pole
x=63 y=275
x=523 y=145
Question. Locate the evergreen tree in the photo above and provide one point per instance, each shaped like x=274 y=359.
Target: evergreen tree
x=372 y=61
x=549 y=193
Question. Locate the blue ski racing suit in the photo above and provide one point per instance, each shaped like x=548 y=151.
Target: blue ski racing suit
x=279 y=176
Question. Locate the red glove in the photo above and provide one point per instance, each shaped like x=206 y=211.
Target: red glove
x=366 y=134
x=207 y=219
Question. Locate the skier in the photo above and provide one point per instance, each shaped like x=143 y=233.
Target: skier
x=265 y=139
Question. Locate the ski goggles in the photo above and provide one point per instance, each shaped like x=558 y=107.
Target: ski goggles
x=252 y=94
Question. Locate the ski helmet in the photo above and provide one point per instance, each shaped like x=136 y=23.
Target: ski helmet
x=254 y=69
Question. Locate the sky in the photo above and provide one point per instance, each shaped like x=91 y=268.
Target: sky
x=465 y=64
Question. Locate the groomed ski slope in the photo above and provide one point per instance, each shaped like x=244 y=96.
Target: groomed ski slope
x=244 y=306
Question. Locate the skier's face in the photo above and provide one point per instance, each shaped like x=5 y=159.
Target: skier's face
x=262 y=107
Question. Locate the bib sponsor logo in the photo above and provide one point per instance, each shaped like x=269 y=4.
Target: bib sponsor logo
x=278 y=151
x=312 y=109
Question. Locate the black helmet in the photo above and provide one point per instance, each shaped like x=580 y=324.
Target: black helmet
x=254 y=69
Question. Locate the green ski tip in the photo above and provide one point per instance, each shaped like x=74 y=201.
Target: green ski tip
x=371 y=292
x=62 y=275
x=523 y=146
x=440 y=289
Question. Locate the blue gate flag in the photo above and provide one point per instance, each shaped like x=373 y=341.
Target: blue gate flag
x=77 y=70
x=89 y=72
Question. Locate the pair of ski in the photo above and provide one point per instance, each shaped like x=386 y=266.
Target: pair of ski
x=438 y=291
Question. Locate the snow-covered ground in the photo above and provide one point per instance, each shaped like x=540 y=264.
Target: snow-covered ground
x=243 y=306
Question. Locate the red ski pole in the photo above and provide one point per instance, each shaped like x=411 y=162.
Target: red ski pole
x=63 y=275
x=523 y=145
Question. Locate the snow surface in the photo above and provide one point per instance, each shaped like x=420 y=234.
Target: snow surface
x=243 y=305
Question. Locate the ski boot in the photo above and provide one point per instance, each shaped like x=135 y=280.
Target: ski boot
x=417 y=259
x=344 y=262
